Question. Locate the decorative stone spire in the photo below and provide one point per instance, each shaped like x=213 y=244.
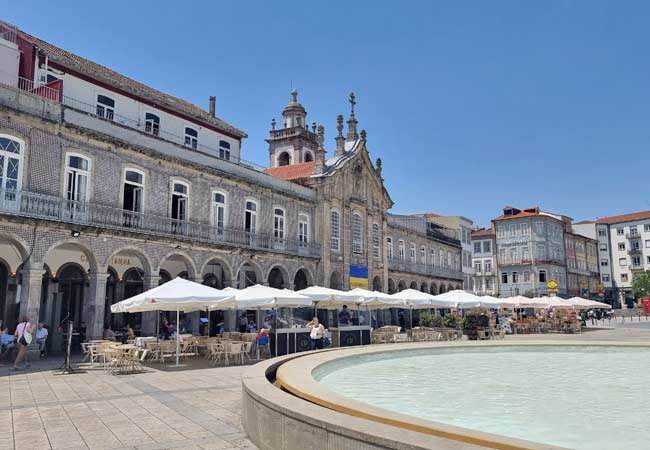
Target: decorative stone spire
x=352 y=121
x=364 y=135
x=273 y=122
x=378 y=168
x=313 y=127
x=294 y=95
x=319 y=159
x=340 y=139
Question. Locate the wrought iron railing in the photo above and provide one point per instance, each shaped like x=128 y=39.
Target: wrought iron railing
x=423 y=269
x=29 y=204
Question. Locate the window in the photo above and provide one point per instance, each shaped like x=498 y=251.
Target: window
x=502 y=255
x=634 y=231
x=105 y=107
x=487 y=246
x=606 y=278
x=423 y=255
x=432 y=256
x=619 y=231
x=636 y=260
x=603 y=247
x=77 y=175
x=152 y=124
x=602 y=232
x=526 y=276
x=132 y=199
x=604 y=263
x=219 y=211
x=648 y=259
x=488 y=283
x=542 y=276
x=180 y=196
x=303 y=229
x=622 y=261
x=646 y=227
x=412 y=252
x=250 y=220
x=504 y=277
x=11 y=161
x=635 y=245
x=389 y=248
x=524 y=253
x=513 y=230
x=375 y=241
x=335 y=231
x=191 y=138
x=647 y=243
x=278 y=226
x=515 y=277
x=477 y=247
x=514 y=254
x=401 y=250
x=524 y=229
x=539 y=227
x=621 y=245
x=541 y=252
x=357 y=233
x=477 y=267
x=224 y=150
x=624 y=277
x=488 y=267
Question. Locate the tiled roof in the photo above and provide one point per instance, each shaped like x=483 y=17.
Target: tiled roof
x=104 y=74
x=430 y=215
x=517 y=216
x=293 y=171
x=625 y=217
x=483 y=232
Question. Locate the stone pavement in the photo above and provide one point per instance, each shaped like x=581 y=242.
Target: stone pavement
x=195 y=409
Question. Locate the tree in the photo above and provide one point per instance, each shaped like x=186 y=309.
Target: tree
x=641 y=285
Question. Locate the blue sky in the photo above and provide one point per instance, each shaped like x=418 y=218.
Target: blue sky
x=471 y=105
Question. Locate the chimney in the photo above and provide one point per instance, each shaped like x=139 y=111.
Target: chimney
x=319 y=159
x=213 y=102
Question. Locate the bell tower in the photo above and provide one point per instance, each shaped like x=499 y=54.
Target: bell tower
x=294 y=143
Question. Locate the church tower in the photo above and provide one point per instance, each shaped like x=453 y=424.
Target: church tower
x=294 y=143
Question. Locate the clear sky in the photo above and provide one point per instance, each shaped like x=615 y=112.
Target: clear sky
x=471 y=105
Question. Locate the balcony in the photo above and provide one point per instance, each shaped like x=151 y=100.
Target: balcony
x=38 y=206
x=635 y=251
x=422 y=269
x=633 y=235
x=293 y=132
x=637 y=268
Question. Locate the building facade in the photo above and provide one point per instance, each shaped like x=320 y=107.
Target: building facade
x=109 y=187
x=583 y=276
x=484 y=260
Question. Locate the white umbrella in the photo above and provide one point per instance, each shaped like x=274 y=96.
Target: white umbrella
x=488 y=301
x=378 y=299
x=459 y=299
x=415 y=299
x=558 y=303
x=262 y=297
x=176 y=295
x=327 y=298
x=519 y=301
x=583 y=303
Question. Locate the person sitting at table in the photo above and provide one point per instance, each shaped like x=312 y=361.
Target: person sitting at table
x=316 y=333
x=41 y=337
x=130 y=332
x=108 y=333
x=344 y=316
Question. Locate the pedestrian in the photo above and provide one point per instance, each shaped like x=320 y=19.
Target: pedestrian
x=243 y=323
x=316 y=333
x=24 y=338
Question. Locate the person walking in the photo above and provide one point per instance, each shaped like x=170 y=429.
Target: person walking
x=316 y=333
x=24 y=338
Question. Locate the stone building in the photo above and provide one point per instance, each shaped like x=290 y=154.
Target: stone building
x=109 y=187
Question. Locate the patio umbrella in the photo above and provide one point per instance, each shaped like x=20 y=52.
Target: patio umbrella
x=558 y=303
x=378 y=300
x=328 y=298
x=176 y=295
x=459 y=299
x=414 y=299
x=583 y=303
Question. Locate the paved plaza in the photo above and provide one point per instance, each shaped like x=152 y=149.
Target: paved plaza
x=192 y=408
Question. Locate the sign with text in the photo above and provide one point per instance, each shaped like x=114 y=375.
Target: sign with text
x=358 y=277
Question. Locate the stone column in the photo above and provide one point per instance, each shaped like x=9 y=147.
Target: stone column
x=94 y=304
x=148 y=321
x=30 y=293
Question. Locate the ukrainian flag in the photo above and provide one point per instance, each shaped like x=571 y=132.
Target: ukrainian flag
x=358 y=277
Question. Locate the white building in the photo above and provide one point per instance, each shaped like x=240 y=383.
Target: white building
x=623 y=250
x=484 y=262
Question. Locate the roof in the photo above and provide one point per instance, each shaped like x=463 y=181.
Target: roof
x=530 y=212
x=585 y=222
x=483 y=232
x=429 y=215
x=293 y=171
x=625 y=217
x=102 y=73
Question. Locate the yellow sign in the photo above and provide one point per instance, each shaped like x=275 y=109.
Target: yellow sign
x=552 y=284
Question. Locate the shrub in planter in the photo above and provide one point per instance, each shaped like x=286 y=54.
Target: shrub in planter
x=430 y=320
x=450 y=320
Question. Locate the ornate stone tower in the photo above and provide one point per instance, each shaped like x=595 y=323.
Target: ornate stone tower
x=294 y=143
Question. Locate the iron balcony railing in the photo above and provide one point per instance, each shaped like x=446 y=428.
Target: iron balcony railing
x=633 y=235
x=635 y=251
x=423 y=269
x=29 y=204
x=156 y=130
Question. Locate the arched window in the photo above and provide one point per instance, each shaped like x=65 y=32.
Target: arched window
x=191 y=138
x=250 y=220
x=11 y=162
x=284 y=159
x=402 y=250
x=152 y=124
x=133 y=198
x=375 y=241
x=389 y=248
x=278 y=227
x=303 y=229
x=308 y=157
x=105 y=107
x=219 y=211
x=77 y=177
x=224 y=150
x=335 y=231
x=357 y=233
x=412 y=256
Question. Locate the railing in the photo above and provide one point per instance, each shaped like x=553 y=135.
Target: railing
x=8 y=32
x=520 y=261
x=29 y=204
x=411 y=267
x=156 y=132
x=293 y=131
x=635 y=251
x=50 y=91
x=637 y=267
x=635 y=235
